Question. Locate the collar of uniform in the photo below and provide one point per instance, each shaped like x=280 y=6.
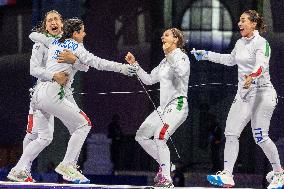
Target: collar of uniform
x=174 y=51
x=54 y=36
x=255 y=33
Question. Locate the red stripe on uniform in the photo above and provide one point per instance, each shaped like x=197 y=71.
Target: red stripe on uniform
x=257 y=73
x=30 y=123
x=86 y=118
x=163 y=131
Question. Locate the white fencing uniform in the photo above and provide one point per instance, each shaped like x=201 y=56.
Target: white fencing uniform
x=49 y=97
x=255 y=104
x=84 y=56
x=37 y=69
x=37 y=117
x=173 y=75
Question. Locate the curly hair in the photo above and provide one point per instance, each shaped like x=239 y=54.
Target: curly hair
x=69 y=27
x=256 y=17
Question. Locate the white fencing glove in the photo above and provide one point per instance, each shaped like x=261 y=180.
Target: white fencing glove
x=200 y=54
x=128 y=70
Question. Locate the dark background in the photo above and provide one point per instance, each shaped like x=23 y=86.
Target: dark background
x=115 y=27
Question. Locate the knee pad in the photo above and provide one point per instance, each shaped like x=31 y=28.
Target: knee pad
x=232 y=138
x=140 y=136
x=161 y=143
x=260 y=136
x=44 y=142
x=140 y=139
x=86 y=118
x=31 y=136
x=83 y=130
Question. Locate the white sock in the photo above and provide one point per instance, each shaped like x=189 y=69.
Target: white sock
x=271 y=153
x=164 y=157
x=75 y=144
x=30 y=153
x=77 y=158
x=231 y=152
x=28 y=138
x=149 y=146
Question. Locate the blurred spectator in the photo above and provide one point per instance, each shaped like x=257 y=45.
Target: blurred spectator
x=177 y=174
x=115 y=134
x=50 y=167
x=210 y=130
x=215 y=137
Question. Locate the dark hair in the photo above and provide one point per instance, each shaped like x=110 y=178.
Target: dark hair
x=256 y=17
x=69 y=27
x=41 y=28
x=178 y=34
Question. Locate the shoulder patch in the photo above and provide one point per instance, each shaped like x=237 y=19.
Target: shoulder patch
x=267 y=49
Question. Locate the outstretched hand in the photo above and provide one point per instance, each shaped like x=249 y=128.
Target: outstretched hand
x=66 y=56
x=199 y=54
x=130 y=58
x=128 y=70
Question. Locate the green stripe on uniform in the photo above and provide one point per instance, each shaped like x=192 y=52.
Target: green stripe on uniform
x=180 y=103
x=267 y=49
x=61 y=93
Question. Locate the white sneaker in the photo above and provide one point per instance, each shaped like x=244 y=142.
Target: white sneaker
x=70 y=173
x=269 y=176
x=222 y=178
x=164 y=183
x=277 y=181
x=158 y=175
x=20 y=176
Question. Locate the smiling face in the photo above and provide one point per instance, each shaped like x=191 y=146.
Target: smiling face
x=246 y=26
x=79 y=36
x=53 y=24
x=169 y=41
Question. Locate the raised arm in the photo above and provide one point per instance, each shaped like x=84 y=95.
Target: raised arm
x=80 y=66
x=225 y=59
x=88 y=58
x=146 y=78
x=39 y=37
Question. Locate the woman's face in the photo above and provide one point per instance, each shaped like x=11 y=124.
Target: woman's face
x=79 y=36
x=169 y=41
x=246 y=26
x=53 y=24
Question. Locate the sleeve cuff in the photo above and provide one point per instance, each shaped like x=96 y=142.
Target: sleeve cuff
x=49 y=76
x=77 y=62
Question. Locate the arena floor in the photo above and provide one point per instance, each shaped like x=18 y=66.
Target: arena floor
x=5 y=184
